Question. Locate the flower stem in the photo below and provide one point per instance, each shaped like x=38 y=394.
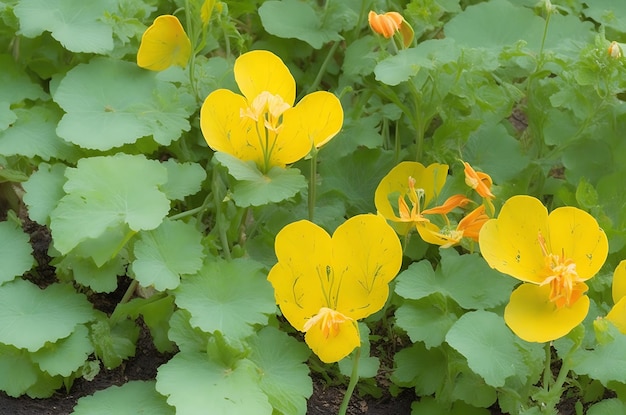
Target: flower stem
x=219 y=216
x=354 y=378
x=312 y=183
x=192 y=59
x=322 y=70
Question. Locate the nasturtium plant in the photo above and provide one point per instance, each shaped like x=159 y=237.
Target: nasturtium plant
x=15 y=252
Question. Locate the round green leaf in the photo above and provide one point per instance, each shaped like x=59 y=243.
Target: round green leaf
x=229 y=297
x=293 y=19
x=132 y=398
x=284 y=376
x=193 y=384
x=30 y=317
x=487 y=344
x=163 y=254
x=15 y=252
x=76 y=24
x=183 y=179
x=18 y=372
x=44 y=189
x=66 y=355
x=109 y=103
x=108 y=191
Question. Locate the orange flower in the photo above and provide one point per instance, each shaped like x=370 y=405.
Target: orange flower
x=448 y=206
x=387 y=24
x=479 y=181
x=471 y=224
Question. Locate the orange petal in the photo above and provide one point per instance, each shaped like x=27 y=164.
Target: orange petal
x=448 y=206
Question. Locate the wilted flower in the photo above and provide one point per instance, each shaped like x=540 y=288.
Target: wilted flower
x=164 y=44
x=324 y=284
x=262 y=125
x=553 y=255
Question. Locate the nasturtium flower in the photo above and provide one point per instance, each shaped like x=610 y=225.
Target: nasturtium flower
x=447 y=236
x=406 y=190
x=324 y=284
x=479 y=181
x=262 y=125
x=164 y=44
x=617 y=315
x=553 y=255
x=390 y=23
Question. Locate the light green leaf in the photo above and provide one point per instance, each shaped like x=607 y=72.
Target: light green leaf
x=368 y=365
x=132 y=398
x=15 y=252
x=187 y=338
x=76 y=24
x=183 y=179
x=606 y=13
x=30 y=317
x=467 y=279
x=608 y=406
x=109 y=103
x=284 y=376
x=293 y=19
x=424 y=320
x=101 y=279
x=108 y=191
x=163 y=254
x=66 y=355
x=421 y=368
x=113 y=343
x=487 y=344
x=18 y=372
x=605 y=363
x=193 y=383
x=16 y=84
x=230 y=297
x=44 y=189
x=255 y=188
x=7 y=117
x=34 y=135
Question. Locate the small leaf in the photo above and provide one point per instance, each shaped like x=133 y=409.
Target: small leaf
x=108 y=191
x=15 y=252
x=608 y=406
x=132 y=398
x=187 y=338
x=586 y=195
x=30 y=317
x=18 y=372
x=487 y=344
x=368 y=365
x=229 y=297
x=44 y=189
x=605 y=363
x=183 y=179
x=113 y=343
x=421 y=368
x=293 y=19
x=16 y=84
x=285 y=377
x=193 y=383
x=66 y=355
x=255 y=188
x=163 y=254
x=74 y=23
x=424 y=321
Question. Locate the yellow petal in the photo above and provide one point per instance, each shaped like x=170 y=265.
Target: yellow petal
x=432 y=234
x=619 y=282
x=316 y=119
x=302 y=279
x=225 y=130
x=164 y=44
x=288 y=146
x=575 y=234
x=366 y=255
x=261 y=70
x=333 y=348
x=617 y=315
x=430 y=179
x=510 y=243
x=206 y=11
x=533 y=318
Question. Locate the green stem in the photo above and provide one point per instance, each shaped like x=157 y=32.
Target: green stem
x=193 y=211
x=547 y=369
x=312 y=183
x=129 y=291
x=322 y=70
x=219 y=216
x=545 y=29
x=192 y=59
x=354 y=378
x=397 y=144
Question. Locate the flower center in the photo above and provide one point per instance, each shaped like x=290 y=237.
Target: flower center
x=330 y=321
x=413 y=213
x=269 y=108
x=566 y=287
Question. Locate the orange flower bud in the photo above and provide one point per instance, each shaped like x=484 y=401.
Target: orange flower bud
x=481 y=182
x=386 y=24
x=615 y=51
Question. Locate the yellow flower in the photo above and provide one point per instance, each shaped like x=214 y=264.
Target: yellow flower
x=206 y=11
x=390 y=23
x=410 y=181
x=262 y=125
x=617 y=315
x=553 y=255
x=164 y=44
x=446 y=237
x=324 y=284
